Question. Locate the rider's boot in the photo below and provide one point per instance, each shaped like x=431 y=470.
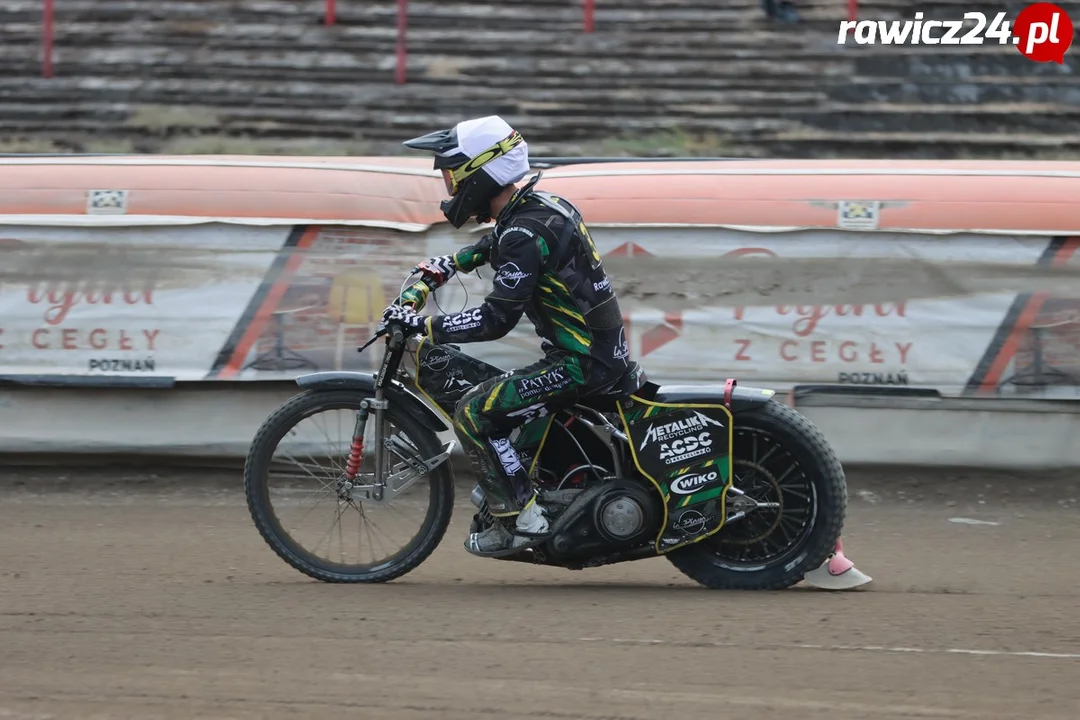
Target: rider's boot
x=509 y=535
x=520 y=520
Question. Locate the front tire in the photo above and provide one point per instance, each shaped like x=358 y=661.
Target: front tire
x=256 y=486
x=781 y=456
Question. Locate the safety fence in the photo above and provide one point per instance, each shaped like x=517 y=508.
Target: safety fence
x=898 y=275
x=146 y=305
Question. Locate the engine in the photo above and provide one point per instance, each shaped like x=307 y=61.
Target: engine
x=617 y=515
x=602 y=516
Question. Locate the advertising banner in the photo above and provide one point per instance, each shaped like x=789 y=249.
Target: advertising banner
x=962 y=313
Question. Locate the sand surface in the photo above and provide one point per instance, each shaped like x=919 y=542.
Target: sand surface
x=138 y=595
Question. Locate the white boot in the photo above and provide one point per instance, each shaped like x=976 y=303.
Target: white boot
x=531 y=523
x=532 y=520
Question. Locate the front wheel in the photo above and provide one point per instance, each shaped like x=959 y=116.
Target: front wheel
x=785 y=509
x=296 y=473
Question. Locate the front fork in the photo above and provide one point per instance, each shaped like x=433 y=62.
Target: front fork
x=356 y=449
x=385 y=485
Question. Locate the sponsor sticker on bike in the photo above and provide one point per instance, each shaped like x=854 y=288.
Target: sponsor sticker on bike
x=455 y=381
x=659 y=432
x=693 y=482
x=436 y=360
x=691 y=522
x=665 y=442
x=683 y=449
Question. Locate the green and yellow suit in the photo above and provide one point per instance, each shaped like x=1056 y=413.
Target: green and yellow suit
x=547 y=268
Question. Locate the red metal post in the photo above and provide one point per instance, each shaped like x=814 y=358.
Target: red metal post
x=852 y=10
x=331 y=12
x=47 y=39
x=590 y=12
x=402 y=26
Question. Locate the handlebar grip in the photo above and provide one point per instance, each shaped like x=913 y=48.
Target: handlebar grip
x=397 y=336
x=415 y=295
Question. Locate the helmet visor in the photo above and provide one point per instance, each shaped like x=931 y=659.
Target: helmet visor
x=464 y=171
x=451 y=186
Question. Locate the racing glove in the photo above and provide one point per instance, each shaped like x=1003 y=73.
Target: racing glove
x=405 y=316
x=440 y=268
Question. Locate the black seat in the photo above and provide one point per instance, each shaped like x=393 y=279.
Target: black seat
x=676 y=394
x=604 y=398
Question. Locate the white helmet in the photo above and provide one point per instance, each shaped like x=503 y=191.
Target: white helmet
x=482 y=157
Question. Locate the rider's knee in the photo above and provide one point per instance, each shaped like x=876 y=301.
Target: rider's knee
x=459 y=416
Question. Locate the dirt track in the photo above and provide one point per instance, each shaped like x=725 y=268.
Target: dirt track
x=144 y=601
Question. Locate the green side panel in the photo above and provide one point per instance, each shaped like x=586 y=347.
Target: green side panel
x=687 y=451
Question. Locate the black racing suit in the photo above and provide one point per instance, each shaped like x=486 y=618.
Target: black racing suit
x=547 y=268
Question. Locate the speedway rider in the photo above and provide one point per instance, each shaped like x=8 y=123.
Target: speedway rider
x=547 y=268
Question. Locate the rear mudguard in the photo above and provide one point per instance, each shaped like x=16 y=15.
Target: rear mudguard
x=742 y=398
x=396 y=393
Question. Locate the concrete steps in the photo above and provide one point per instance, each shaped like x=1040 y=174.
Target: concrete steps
x=1063 y=91
x=269 y=69
x=1044 y=119
x=549 y=122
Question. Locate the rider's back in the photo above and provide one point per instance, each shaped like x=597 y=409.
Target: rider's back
x=573 y=305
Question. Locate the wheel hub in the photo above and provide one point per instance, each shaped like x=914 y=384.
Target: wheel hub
x=743 y=504
x=344 y=491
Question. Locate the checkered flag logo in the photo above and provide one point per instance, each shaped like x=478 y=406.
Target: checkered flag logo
x=106 y=202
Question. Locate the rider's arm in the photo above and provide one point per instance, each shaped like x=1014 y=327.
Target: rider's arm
x=473 y=256
x=519 y=263
x=466 y=259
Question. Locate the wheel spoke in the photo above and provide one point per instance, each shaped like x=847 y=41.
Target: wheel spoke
x=307 y=467
x=776 y=496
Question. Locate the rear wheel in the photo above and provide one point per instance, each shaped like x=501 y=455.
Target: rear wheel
x=295 y=475
x=785 y=509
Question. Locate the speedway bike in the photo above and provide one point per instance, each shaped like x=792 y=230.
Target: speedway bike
x=736 y=489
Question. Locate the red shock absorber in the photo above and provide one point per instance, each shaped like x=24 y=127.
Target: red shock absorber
x=356 y=450
x=356 y=457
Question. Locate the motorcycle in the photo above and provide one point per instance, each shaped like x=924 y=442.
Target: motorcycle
x=735 y=489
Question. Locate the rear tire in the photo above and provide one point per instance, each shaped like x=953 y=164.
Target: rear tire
x=256 y=475
x=794 y=434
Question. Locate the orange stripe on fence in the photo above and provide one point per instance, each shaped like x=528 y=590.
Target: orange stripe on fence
x=262 y=316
